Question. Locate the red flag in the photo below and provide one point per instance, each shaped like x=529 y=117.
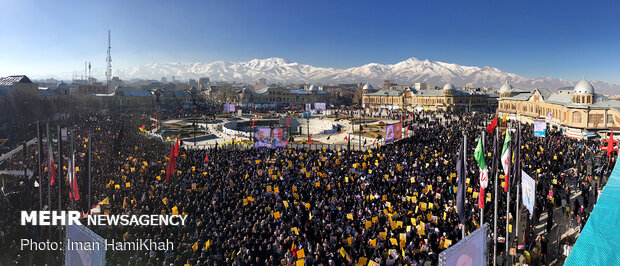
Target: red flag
x=610 y=144
x=407 y=131
x=50 y=150
x=309 y=139
x=176 y=147
x=481 y=198
x=171 y=164
x=142 y=127
x=345 y=138
x=207 y=158
x=492 y=126
x=253 y=120
x=181 y=110
x=373 y=143
x=287 y=120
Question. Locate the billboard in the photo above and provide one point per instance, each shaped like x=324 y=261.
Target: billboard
x=78 y=236
x=319 y=106
x=262 y=137
x=470 y=250
x=398 y=131
x=279 y=137
x=308 y=107
x=539 y=128
x=389 y=133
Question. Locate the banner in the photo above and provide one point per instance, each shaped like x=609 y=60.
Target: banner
x=262 y=137
x=279 y=137
x=398 y=131
x=528 y=190
x=319 y=106
x=469 y=251
x=308 y=107
x=389 y=133
x=539 y=128
x=79 y=236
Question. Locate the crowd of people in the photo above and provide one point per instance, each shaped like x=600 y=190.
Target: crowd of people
x=393 y=204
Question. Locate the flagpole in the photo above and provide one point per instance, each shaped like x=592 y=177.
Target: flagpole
x=60 y=179
x=464 y=167
x=496 y=168
x=49 y=186
x=483 y=199
x=89 y=180
x=516 y=174
x=508 y=205
x=39 y=141
x=72 y=172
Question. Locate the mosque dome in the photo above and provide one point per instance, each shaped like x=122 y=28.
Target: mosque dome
x=313 y=88
x=367 y=87
x=583 y=87
x=449 y=87
x=506 y=88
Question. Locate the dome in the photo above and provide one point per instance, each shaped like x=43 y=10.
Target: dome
x=583 y=87
x=367 y=87
x=449 y=87
x=313 y=88
x=505 y=88
x=245 y=89
x=61 y=85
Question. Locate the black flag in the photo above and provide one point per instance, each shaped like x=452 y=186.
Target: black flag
x=461 y=174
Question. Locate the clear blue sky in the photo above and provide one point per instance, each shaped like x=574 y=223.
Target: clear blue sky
x=565 y=39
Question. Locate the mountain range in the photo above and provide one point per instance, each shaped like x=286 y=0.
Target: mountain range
x=278 y=70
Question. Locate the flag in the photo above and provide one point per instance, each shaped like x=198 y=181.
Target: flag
x=207 y=158
x=484 y=172
x=528 y=192
x=506 y=159
x=610 y=145
x=309 y=139
x=74 y=193
x=346 y=138
x=171 y=164
x=461 y=175
x=176 y=146
x=253 y=120
x=143 y=126
x=50 y=149
x=492 y=126
x=287 y=120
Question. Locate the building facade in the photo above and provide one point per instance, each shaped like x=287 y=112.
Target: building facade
x=579 y=112
x=410 y=98
x=283 y=97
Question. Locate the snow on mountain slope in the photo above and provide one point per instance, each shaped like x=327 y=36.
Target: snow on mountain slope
x=278 y=70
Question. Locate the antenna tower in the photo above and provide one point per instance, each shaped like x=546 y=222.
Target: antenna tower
x=108 y=70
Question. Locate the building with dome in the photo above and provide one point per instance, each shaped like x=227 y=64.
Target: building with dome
x=579 y=113
x=449 y=98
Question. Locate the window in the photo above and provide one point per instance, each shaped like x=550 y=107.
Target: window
x=576 y=117
x=596 y=118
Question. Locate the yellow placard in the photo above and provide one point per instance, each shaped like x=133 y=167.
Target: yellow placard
x=127 y=184
x=175 y=210
x=350 y=216
x=276 y=215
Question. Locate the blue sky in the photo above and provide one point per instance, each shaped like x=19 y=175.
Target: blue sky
x=564 y=39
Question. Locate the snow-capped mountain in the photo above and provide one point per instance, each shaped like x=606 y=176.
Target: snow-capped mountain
x=278 y=70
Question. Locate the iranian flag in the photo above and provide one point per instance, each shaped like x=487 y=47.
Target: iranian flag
x=484 y=172
x=50 y=149
x=74 y=194
x=506 y=159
